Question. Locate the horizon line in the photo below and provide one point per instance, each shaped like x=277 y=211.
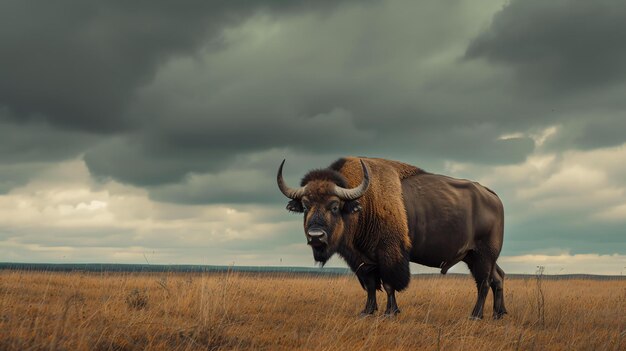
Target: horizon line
x=207 y=268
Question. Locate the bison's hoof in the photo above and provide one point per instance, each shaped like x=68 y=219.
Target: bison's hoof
x=498 y=315
x=392 y=313
x=475 y=318
x=367 y=312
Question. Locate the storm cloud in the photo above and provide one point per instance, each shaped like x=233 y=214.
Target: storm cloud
x=558 y=46
x=77 y=64
x=569 y=54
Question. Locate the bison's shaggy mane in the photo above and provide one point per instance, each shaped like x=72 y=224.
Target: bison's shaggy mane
x=325 y=174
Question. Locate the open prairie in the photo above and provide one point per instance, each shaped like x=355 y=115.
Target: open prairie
x=190 y=311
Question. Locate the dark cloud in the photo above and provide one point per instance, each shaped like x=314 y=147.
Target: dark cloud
x=249 y=179
x=71 y=70
x=568 y=57
x=228 y=187
x=558 y=46
x=336 y=93
x=27 y=148
x=169 y=152
x=129 y=160
x=587 y=133
x=77 y=64
x=37 y=141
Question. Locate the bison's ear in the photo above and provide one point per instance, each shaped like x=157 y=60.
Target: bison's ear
x=352 y=207
x=295 y=206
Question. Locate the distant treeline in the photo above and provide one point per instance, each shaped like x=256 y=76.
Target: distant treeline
x=160 y=268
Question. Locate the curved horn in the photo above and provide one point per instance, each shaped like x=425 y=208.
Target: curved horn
x=289 y=192
x=354 y=193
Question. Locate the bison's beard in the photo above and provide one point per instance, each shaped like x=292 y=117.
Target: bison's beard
x=322 y=254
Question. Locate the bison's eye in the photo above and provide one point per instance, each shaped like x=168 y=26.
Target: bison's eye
x=334 y=208
x=305 y=205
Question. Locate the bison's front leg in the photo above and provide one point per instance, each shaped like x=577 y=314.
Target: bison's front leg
x=370 y=281
x=392 y=306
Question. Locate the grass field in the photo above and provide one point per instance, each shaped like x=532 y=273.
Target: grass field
x=190 y=311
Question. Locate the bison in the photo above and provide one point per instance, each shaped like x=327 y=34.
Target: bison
x=380 y=214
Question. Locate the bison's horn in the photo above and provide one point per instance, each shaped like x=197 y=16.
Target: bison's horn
x=354 y=193
x=293 y=194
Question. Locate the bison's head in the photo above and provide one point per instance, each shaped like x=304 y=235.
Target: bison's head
x=327 y=206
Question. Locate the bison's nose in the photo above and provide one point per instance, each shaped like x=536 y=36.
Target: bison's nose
x=317 y=237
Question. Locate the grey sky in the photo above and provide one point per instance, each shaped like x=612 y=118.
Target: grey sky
x=163 y=114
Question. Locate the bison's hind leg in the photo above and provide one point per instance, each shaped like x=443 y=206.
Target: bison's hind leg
x=497 y=287
x=481 y=265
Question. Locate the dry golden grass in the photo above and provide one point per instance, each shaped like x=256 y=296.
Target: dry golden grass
x=178 y=311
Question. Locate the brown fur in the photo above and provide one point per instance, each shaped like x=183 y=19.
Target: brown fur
x=381 y=231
